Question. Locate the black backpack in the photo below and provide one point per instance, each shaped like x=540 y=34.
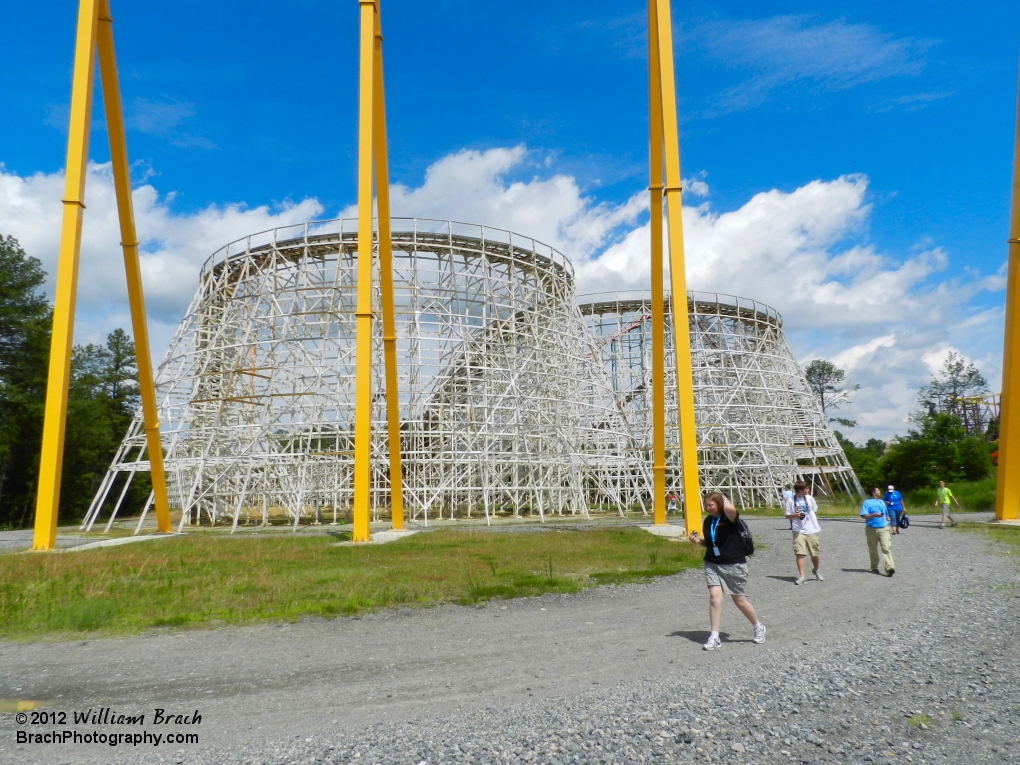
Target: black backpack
x=904 y=521
x=744 y=535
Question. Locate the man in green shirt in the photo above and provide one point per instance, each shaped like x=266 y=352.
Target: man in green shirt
x=943 y=496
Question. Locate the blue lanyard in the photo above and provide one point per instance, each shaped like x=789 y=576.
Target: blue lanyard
x=711 y=529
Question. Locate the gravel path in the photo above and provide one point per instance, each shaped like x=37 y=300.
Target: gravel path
x=923 y=667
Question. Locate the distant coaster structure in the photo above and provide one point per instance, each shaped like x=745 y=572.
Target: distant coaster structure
x=513 y=398
x=759 y=426
x=503 y=406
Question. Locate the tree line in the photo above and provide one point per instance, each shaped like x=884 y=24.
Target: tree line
x=939 y=447
x=102 y=398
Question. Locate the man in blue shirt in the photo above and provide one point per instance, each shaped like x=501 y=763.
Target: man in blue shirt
x=894 y=506
x=876 y=529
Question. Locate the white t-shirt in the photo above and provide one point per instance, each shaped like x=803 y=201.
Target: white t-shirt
x=807 y=505
x=788 y=494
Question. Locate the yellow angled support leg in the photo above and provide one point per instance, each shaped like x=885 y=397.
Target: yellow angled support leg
x=58 y=379
x=382 y=183
x=663 y=34
x=658 y=312
x=1007 y=493
x=129 y=242
x=363 y=310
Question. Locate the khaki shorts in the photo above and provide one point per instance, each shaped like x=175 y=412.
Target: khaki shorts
x=732 y=577
x=805 y=544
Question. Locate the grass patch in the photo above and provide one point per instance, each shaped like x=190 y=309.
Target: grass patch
x=1009 y=535
x=922 y=722
x=203 y=580
x=973 y=496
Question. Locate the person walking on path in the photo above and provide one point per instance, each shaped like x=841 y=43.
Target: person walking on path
x=802 y=511
x=725 y=566
x=894 y=507
x=671 y=503
x=943 y=496
x=787 y=496
x=876 y=530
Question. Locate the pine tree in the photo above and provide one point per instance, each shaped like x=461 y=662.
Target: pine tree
x=103 y=399
x=828 y=383
x=24 y=349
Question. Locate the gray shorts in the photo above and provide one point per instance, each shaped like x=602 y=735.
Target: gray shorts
x=732 y=577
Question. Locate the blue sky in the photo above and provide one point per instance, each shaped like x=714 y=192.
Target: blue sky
x=248 y=105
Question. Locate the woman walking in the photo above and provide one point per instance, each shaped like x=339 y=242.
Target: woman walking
x=725 y=566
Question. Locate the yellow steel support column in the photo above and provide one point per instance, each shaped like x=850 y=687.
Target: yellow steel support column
x=678 y=277
x=51 y=457
x=1007 y=493
x=136 y=298
x=658 y=313
x=363 y=310
x=382 y=184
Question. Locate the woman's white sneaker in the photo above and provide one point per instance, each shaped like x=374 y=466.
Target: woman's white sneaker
x=759 y=633
x=713 y=643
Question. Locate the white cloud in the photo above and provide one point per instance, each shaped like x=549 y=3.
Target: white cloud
x=912 y=102
x=858 y=355
x=164 y=119
x=173 y=245
x=783 y=50
x=804 y=252
x=695 y=187
x=157 y=118
x=472 y=187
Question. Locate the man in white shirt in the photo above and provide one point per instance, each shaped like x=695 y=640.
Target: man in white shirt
x=802 y=511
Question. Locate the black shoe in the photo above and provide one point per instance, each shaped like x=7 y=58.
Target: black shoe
x=890 y=572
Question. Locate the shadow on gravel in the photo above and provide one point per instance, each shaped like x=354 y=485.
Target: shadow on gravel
x=695 y=636
x=783 y=578
x=701 y=636
x=838 y=519
x=859 y=571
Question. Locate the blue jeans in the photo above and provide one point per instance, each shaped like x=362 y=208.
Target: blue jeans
x=894 y=517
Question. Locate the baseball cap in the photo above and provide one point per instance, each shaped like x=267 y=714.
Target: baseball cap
x=889 y=487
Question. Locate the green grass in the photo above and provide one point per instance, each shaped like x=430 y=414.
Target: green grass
x=1010 y=535
x=919 y=721
x=972 y=495
x=208 y=580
